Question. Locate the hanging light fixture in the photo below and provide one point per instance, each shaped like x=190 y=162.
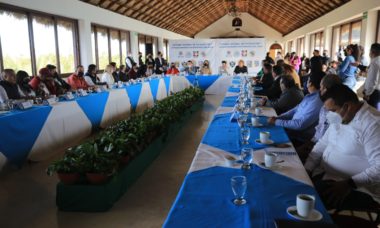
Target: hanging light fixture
x=232 y=9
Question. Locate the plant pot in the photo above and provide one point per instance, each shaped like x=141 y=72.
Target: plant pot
x=125 y=159
x=68 y=178
x=97 y=178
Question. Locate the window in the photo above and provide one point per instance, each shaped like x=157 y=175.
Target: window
x=378 y=27
x=66 y=34
x=40 y=39
x=301 y=46
x=290 y=46
x=109 y=45
x=147 y=45
x=316 y=42
x=15 y=46
x=344 y=35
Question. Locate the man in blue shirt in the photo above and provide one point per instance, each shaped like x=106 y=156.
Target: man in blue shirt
x=300 y=121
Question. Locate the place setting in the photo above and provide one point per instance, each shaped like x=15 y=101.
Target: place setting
x=304 y=209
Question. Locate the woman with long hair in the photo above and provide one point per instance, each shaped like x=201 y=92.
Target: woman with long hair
x=347 y=69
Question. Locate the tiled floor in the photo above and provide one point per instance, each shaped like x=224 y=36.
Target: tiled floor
x=27 y=196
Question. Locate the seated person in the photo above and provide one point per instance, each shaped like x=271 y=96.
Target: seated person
x=266 y=79
x=44 y=84
x=149 y=71
x=190 y=68
x=107 y=76
x=325 y=118
x=205 y=70
x=300 y=121
x=345 y=163
x=172 y=70
x=132 y=74
x=274 y=92
x=289 y=70
x=114 y=72
x=291 y=96
x=8 y=86
x=224 y=69
x=91 y=78
x=23 y=79
x=76 y=80
x=241 y=68
x=122 y=75
x=62 y=84
x=333 y=68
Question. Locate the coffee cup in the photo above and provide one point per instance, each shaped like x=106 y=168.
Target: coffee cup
x=255 y=121
x=264 y=136
x=257 y=111
x=305 y=205
x=270 y=159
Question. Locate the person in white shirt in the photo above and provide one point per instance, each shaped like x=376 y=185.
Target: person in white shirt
x=345 y=163
x=278 y=57
x=224 y=69
x=107 y=76
x=372 y=83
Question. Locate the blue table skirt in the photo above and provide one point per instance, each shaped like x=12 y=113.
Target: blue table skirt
x=204 y=81
x=225 y=135
x=19 y=130
x=205 y=199
x=93 y=106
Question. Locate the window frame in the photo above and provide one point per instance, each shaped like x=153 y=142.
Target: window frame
x=29 y=14
x=95 y=26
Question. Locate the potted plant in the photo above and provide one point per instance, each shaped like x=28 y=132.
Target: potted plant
x=67 y=170
x=98 y=165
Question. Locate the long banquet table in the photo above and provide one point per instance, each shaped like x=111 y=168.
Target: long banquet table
x=205 y=198
x=37 y=132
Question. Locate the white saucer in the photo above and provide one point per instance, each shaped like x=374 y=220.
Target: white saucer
x=314 y=216
x=262 y=165
x=257 y=125
x=270 y=142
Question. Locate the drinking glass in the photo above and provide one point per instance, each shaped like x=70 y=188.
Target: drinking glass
x=241 y=119
x=245 y=133
x=239 y=186
x=247 y=156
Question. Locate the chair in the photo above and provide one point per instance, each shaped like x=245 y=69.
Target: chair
x=344 y=221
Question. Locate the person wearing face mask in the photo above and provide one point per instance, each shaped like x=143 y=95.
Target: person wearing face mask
x=44 y=84
x=325 y=118
x=25 y=90
x=172 y=70
x=205 y=70
x=62 y=85
x=8 y=86
x=345 y=163
x=300 y=121
x=76 y=80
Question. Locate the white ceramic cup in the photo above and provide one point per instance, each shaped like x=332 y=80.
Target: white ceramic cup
x=305 y=205
x=270 y=159
x=257 y=111
x=264 y=136
x=255 y=121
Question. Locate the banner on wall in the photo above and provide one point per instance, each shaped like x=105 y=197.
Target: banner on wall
x=250 y=50
x=181 y=51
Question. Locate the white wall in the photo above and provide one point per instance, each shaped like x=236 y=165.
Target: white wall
x=87 y=14
x=251 y=25
x=351 y=10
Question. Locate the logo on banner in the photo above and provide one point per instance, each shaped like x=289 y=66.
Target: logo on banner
x=188 y=54
x=252 y=53
x=203 y=54
x=244 y=53
x=237 y=54
x=232 y=64
x=195 y=54
x=249 y=64
x=180 y=54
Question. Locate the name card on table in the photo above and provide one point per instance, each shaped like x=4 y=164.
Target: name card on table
x=50 y=101
x=25 y=105
x=69 y=96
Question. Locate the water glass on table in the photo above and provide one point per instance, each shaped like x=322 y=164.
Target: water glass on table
x=246 y=157
x=245 y=134
x=239 y=186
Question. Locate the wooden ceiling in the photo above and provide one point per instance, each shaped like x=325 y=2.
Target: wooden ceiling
x=188 y=17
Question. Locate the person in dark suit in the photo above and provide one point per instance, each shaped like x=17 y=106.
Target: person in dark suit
x=290 y=97
x=266 y=80
x=274 y=92
x=159 y=63
x=241 y=68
